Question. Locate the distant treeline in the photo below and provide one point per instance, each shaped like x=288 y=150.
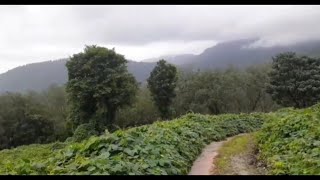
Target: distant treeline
x=35 y=117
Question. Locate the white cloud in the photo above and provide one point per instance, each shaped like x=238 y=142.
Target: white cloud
x=37 y=33
x=157 y=49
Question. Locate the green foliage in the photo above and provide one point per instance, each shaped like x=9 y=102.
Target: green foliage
x=98 y=84
x=55 y=103
x=141 y=112
x=33 y=117
x=229 y=91
x=84 y=131
x=295 y=80
x=289 y=142
x=32 y=129
x=26 y=157
x=51 y=104
x=41 y=117
x=23 y=120
x=162 y=82
x=214 y=92
x=167 y=147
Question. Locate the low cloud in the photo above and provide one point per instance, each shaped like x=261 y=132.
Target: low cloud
x=38 y=33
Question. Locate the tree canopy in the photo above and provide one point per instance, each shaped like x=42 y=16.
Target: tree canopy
x=295 y=80
x=99 y=83
x=162 y=83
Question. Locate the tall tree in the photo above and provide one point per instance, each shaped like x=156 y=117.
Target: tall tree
x=162 y=83
x=295 y=80
x=99 y=83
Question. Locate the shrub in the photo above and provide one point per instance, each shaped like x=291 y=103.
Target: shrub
x=83 y=132
x=289 y=142
x=24 y=159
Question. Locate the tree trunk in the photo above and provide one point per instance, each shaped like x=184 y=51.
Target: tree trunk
x=255 y=104
x=214 y=108
x=110 y=117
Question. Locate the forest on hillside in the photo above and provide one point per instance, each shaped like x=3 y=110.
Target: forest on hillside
x=207 y=92
x=102 y=97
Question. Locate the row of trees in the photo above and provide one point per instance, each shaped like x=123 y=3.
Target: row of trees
x=229 y=91
x=99 y=85
x=102 y=94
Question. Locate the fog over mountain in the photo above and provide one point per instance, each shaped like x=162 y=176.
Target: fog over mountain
x=190 y=36
x=33 y=34
x=39 y=76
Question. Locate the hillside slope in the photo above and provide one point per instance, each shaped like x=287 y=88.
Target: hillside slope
x=39 y=76
x=237 y=53
x=162 y=148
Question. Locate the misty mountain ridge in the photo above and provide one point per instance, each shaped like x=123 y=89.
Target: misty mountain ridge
x=239 y=53
x=39 y=76
x=177 y=59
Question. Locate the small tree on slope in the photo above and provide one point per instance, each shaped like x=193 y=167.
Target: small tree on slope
x=162 y=83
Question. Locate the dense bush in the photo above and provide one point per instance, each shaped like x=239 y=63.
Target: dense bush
x=168 y=147
x=19 y=158
x=289 y=142
x=141 y=112
x=84 y=131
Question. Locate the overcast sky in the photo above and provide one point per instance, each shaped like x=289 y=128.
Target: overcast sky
x=38 y=33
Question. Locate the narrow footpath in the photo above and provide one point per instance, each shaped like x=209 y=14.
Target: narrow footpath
x=204 y=163
x=240 y=164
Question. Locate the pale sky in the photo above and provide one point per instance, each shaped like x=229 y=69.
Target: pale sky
x=39 y=33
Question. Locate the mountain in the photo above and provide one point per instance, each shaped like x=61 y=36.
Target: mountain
x=140 y=70
x=39 y=76
x=35 y=76
x=237 y=53
x=179 y=59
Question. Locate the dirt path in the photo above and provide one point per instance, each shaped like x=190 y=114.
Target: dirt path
x=204 y=163
x=241 y=162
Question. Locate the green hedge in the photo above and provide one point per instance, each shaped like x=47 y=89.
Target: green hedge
x=168 y=147
x=289 y=141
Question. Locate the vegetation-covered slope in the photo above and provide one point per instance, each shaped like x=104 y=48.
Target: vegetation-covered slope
x=289 y=141
x=167 y=147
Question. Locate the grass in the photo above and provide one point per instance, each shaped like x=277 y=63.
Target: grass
x=235 y=155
